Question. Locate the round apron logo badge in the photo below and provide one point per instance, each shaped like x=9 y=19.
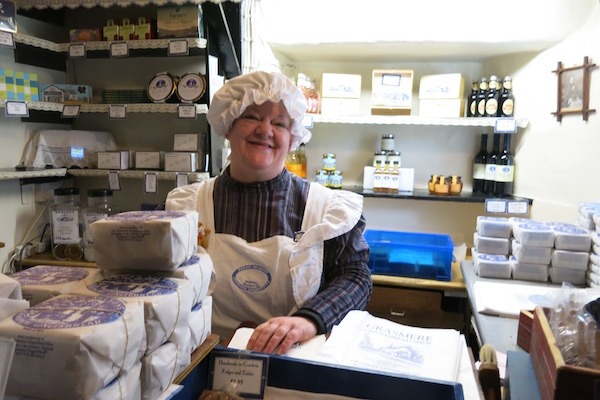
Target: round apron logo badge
x=251 y=278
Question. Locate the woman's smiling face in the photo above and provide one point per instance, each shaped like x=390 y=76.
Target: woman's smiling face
x=260 y=140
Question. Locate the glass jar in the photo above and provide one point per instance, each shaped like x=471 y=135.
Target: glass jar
x=442 y=187
x=329 y=162
x=380 y=156
x=456 y=185
x=431 y=184
x=99 y=206
x=322 y=177
x=387 y=143
x=394 y=157
x=336 y=179
x=66 y=239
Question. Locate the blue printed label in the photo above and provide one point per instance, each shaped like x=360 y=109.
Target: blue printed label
x=142 y=216
x=50 y=275
x=491 y=257
x=570 y=229
x=192 y=261
x=252 y=278
x=134 y=286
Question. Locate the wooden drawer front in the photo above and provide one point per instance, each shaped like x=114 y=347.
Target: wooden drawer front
x=413 y=307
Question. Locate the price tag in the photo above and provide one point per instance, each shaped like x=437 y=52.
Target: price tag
x=114 y=182
x=7 y=39
x=505 y=125
x=518 y=207
x=181 y=179
x=117 y=111
x=186 y=111
x=246 y=372
x=497 y=206
x=77 y=50
x=16 y=109
x=150 y=182
x=119 y=49
x=70 y=111
x=178 y=48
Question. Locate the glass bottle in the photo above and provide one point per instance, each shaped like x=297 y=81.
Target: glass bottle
x=490 y=166
x=99 y=206
x=479 y=162
x=505 y=171
x=292 y=163
x=378 y=178
x=492 y=97
x=66 y=239
x=387 y=143
x=395 y=177
x=472 y=100
x=302 y=159
x=506 y=103
x=386 y=178
x=481 y=97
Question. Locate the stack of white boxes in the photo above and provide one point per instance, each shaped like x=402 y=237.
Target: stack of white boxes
x=150 y=291
x=442 y=96
x=589 y=218
x=340 y=94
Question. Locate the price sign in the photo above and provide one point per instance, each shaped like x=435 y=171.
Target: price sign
x=117 y=111
x=182 y=179
x=150 y=182
x=7 y=39
x=186 y=111
x=518 y=207
x=178 y=48
x=505 y=125
x=77 y=50
x=119 y=49
x=113 y=180
x=307 y=121
x=495 y=206
x=16 y=109
x=70 y=111
x=243 y=371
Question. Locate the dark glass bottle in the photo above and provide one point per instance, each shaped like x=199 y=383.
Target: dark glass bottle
x=506 y=103
x=481 y=97
x=479 y=163
x=492 y=97
x=505 y=170
x=490 y=166
x=472 y=100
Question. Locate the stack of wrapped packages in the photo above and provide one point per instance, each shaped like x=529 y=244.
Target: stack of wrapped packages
x=524 y=249
x=124 y=330
x=589 y=217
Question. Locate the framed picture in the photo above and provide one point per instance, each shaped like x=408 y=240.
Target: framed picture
x=573 y=90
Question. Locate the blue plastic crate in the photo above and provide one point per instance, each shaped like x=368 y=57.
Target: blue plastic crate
x=413 y=254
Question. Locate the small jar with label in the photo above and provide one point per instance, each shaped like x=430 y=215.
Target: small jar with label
x=387 y=143
x=329 y=162
x=431 y=184
x=322 y=177
x=442 y=187
x=380 y=156
x=456 y=185
x=66 y=239
x=394 y=157
x=336 y=179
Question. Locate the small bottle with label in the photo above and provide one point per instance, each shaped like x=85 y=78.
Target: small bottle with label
x=99 y=206
x=378 y=178
x=380 y=156
x=329 y=162
x=66 y=239
x=303 y=160
x=386 y=178
x=292 y=163
x=395 y=177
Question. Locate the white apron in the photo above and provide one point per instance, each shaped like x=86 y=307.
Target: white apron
x=275 y=276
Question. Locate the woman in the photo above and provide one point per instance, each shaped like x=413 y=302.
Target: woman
x=288 y=254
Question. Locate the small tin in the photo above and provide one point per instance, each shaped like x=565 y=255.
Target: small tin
x=191 y=87
x=329 y=162
x=162 y=87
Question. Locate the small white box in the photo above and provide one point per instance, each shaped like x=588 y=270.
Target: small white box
x=442 y=108
x=339 y=106
x=391 y=92
x=181 y=162
x=113 y=160
x=185 y=142
x=442 y=86
x=147 y=159
x=346 y=86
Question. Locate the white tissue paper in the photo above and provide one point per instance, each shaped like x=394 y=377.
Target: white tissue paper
x=9 y=288
x=200 y=323
x=145 y=240
x=70 y=347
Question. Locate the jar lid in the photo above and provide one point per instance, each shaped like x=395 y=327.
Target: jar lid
x=68 y=191
x=99 y=192
x=380 y=153
x=387 y=136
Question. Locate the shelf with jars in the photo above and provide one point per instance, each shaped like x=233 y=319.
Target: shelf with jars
x=137 y=174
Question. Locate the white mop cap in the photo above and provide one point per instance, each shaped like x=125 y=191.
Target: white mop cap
x=229 y=102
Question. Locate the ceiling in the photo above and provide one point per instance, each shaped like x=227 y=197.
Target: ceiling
x=381 y=30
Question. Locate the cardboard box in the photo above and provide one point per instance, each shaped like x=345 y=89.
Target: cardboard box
x=391 y=92
x=127 y=29
x=339 y=106
x=7 y=84
x=113 y=160
x=185 y=142
x=8 y=16
x=85 y=35
x=557 y=380
x=26 y=86
x=345 y=86
x=442 y=108
x=180 y=21
x=66 y=94
x=145 y=29
x=442 y=86
x=148 y=160
x=110 y=31
x=181 y=162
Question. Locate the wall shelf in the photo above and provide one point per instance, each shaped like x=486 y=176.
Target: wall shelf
x=423 y=194
x=104 y=108
x=11 y=173
x=137 y=174
x=42 y=4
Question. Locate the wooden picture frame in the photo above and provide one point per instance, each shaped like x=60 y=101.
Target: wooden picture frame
x=573 y=94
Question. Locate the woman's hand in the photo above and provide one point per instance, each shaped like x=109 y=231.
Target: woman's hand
x=279 y=334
